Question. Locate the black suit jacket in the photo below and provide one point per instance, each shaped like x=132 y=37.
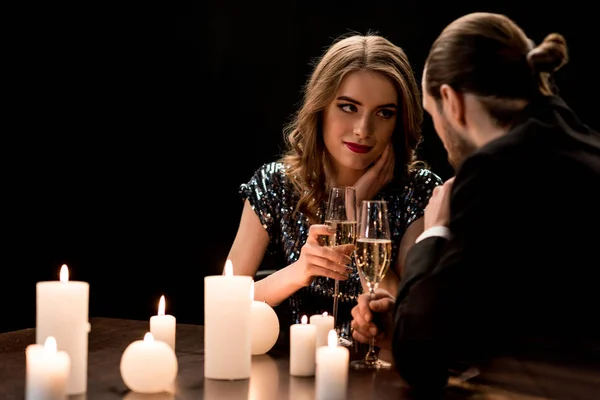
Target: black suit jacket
x=519 y=276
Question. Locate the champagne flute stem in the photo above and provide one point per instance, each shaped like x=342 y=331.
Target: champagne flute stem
x=336 y=293
x=371 y=356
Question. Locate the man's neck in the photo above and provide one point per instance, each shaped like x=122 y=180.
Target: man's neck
x=483 y=128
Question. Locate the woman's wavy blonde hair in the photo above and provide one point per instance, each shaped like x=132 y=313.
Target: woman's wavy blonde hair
x=304 y=157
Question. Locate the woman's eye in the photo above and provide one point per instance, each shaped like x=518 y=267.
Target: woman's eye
x=347 y=107
x=385 y=113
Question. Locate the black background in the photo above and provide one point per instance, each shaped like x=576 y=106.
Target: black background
x=127 y=136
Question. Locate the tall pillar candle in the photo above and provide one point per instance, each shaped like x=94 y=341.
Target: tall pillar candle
x=333 y=362
x=227 y=329
x=62 y=312
x=302 y=348
x=47 y=371
x=324 y=324
x=163 y=326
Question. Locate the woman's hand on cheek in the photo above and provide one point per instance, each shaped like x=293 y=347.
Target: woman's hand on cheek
x=376 y=177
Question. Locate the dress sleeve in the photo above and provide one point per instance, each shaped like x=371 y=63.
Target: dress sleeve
x=263 y=192
x=421 y=186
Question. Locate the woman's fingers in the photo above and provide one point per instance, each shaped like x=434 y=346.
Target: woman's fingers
x=338 y=255
x=332 y=262
x=330 y=273
x=345 y=249
x=325 y=267
x=320 y=234
x=388 y=168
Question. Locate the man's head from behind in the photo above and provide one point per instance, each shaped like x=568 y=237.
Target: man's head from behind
x=483 y=67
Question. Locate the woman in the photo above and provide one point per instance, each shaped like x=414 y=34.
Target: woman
x=359 y=125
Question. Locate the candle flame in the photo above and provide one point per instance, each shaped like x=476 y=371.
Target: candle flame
x=332 y=339
x=161 y=305
x=148 y=338
x=64 y=273
x=50 y=345
x=325 y=314
x=304 y=319
x=228 y=268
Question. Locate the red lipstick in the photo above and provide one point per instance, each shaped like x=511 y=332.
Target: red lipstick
x=358 y=148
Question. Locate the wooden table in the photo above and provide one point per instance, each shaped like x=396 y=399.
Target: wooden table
x=270 y=379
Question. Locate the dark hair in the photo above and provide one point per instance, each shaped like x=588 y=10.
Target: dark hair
x=490 y=56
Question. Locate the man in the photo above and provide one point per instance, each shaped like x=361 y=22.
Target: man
x=508 y=263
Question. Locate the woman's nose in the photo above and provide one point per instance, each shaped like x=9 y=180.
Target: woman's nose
x=362 y=128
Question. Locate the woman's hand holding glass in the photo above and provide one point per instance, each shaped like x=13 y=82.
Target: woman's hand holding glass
x=316 y=260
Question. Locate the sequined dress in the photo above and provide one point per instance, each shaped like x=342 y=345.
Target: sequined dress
x=273 y=198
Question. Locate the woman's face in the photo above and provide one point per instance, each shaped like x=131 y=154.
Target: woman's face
x=359 y=122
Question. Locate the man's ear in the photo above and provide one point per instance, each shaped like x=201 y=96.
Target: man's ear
x=453 y=104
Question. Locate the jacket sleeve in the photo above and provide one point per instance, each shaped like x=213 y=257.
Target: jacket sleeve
x=430 y=321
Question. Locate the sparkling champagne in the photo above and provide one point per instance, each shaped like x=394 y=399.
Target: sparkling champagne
x=345 y=232
x=373 y=258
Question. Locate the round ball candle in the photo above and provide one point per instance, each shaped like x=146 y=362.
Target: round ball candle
x=302 y=348
x=331 y=381
x=324 y=324
x=163 y=326
x=264 y=328
x=62 y=312
x=148 y=366
x=227 y=325
x=47 y=371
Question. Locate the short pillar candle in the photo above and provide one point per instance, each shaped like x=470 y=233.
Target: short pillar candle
x=302 y=348
x=333 y=361
x=163 y=326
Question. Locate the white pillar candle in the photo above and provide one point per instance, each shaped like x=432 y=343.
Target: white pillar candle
x=62 y=312
x=331 y=382
x=227 y=336
x=148 y=366
x=47 y=371
x=324 y=323
x=264 y=326
x=302 y=348
x=163 y=326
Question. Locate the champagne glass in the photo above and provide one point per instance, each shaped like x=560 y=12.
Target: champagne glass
x=341 y=216
x=373 y=257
